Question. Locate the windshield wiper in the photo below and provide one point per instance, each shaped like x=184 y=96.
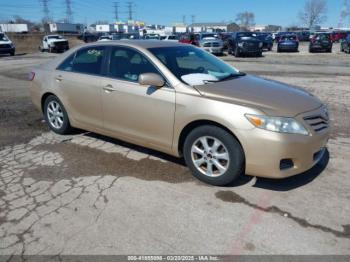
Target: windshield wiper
x=230 y=76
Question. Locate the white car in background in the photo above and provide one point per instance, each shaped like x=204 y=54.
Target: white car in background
x=54 y=43
x=211 y=43
x=105 y=38
x=172 y=38
x=6 y=45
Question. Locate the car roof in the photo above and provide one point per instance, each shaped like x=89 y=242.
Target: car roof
x=146 y=44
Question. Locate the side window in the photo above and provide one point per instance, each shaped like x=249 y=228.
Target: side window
x=67 y=64
x=89 y=60
x=127 y=64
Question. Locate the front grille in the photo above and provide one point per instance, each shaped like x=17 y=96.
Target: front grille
x=211 y=44
x=61 y=44
x=317 y=122
x=251 y=46
x=5 y=46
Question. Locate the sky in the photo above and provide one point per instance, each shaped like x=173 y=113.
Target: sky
x=166 y=12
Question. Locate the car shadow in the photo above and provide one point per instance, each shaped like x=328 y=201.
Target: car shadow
x=7 y=55
x=287 y=184
x=294 y=182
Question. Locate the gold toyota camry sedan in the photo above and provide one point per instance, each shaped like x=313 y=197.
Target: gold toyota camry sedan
x=183 y=101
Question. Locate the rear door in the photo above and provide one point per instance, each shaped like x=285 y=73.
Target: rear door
x=79 y=80
x=144 y=114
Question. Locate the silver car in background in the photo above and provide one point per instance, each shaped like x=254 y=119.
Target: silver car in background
x=211 y=43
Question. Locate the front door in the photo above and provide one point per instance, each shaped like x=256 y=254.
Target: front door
x=144 y=114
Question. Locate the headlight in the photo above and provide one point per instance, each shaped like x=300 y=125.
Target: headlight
x=260 y=45
x=277 y=124
x=240 y=44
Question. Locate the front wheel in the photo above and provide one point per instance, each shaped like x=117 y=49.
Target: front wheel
x=237 y=53
x=56 y=116
x=214 y=156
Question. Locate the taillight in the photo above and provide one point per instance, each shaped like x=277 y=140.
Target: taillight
x=31 y=76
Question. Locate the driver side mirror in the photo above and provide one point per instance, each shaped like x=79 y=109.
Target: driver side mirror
x=151 y=79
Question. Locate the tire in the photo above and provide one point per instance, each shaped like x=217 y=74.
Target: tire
x=61 y=128
x=231 y=169
x=278 y=50
x=12 y=53
x=237 y=53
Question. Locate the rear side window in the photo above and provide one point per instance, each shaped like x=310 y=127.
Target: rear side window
x=87 y=60
x=67 y=64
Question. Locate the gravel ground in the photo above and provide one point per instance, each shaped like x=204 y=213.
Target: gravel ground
x=87 y=194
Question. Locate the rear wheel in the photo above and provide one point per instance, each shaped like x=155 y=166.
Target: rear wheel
x=213 y=155
x=56 y=116
x=12 y=53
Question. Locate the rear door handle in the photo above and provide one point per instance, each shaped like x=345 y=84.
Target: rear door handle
x=109 y=89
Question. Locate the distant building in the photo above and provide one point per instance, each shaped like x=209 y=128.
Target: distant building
x=213 y=27
x=265 y=28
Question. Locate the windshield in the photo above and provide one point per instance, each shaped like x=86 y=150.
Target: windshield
x=208 y=36
x=323 y=37
x=3 y=37
x=289 y=37
x=55 y=37
x=246 y=36
x=193 y=65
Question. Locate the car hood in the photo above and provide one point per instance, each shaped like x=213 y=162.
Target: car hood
x=6 y=42
x=57 y=40
x=273 y=98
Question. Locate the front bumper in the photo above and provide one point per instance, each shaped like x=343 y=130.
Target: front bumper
x=265 y=150
x=249 y=50
x=214 y=50
x=7 y=50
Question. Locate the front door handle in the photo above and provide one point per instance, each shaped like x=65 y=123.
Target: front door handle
x=109 y=89
x=59 y=78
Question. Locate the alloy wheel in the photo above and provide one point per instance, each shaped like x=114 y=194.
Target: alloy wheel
x=210 y=156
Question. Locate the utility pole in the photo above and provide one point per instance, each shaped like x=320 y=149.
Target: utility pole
x=69 y=12
x=130 y=6
x=193 y=19
x=116 y=11
x=45 y=6
x=184 y=19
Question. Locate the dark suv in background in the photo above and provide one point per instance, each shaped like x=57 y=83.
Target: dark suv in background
x=244 y=43
x=266 y=39
x=345 y=45
x=321 y=42
x=288 y=43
